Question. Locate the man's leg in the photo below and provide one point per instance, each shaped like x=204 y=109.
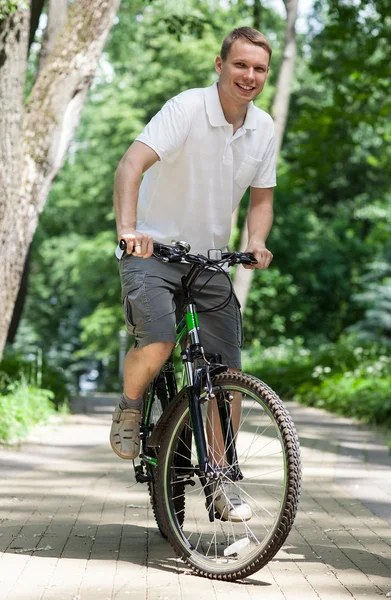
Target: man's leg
x=141 y=366
x=147 y=292
x=222 y=333
x=214 y=432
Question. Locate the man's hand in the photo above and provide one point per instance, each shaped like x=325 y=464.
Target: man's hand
x=262 y=255
x=138 y=244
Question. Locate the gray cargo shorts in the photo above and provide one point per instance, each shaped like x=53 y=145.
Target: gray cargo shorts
x=152 y=299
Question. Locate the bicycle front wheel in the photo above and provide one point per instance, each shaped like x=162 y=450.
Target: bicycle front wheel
x=256 y=464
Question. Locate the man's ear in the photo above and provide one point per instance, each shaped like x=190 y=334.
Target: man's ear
x=218 y=64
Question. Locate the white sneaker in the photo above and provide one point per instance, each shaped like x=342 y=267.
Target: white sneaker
x=229 y=505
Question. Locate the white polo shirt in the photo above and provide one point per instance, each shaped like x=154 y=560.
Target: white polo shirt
x=204 y=169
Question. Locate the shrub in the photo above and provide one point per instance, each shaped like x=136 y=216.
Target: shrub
x=283 y=367
x=366 y=398
x=21 y=407
x=347 y=378
x=35 y=370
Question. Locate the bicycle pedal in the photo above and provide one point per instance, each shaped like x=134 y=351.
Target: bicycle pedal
x=140 y=475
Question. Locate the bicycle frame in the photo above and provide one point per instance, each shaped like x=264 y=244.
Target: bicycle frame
x=199 y=389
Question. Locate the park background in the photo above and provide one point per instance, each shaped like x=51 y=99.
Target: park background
x=318 y=322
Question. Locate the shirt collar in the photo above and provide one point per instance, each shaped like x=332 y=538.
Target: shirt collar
x=215 y=112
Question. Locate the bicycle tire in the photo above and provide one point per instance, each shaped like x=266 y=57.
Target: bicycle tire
x=160 y=403
x=223 y=549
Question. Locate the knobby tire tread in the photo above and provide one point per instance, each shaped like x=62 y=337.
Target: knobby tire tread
x=153 y=496
x=291 y=499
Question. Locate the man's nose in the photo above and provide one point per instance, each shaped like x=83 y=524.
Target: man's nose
x=250 y=74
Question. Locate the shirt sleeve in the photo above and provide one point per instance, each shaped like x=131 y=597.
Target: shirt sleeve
x=266 y=174
x=167 y=131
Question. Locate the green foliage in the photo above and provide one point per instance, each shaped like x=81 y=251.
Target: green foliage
x=367 y=398
x=376 y=323
x=332 y=201
x=332 y=231
x=8 y=7
x=73 y=307
x=35 y=372
x=346 y=377
x=22 y=406
x=284 y=366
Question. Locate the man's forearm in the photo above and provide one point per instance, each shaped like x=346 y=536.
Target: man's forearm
x=138 y=158
x=126 y=190
x=260 y=216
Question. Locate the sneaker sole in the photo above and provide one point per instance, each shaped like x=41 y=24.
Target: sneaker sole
x=234 y=519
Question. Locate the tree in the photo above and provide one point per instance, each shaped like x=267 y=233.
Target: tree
x=243 y=277
x=35 y=136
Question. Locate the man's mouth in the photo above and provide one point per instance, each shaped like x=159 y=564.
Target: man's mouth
x=245 y=88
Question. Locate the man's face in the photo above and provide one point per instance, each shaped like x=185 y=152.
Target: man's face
x=244 y=72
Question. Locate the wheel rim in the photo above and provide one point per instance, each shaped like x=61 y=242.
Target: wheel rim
x=225 y=545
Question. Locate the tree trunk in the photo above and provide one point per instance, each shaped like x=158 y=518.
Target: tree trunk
x=281 y=101
x=33 y=143
x=243 y=277
x=57 y=13
x=20 y=300
x=57 y=16
x=14 y=35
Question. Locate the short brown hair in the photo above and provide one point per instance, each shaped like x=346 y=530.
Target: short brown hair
x=245 y=33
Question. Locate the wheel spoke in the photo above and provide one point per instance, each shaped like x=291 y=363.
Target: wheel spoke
x=246 y=530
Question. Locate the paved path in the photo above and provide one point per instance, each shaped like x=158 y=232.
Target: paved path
x=75 y=526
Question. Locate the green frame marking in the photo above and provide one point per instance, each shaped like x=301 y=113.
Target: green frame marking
x=192 y=320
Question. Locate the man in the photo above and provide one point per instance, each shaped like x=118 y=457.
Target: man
x=199 y=154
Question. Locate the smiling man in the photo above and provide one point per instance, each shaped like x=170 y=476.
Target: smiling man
x=199 y=153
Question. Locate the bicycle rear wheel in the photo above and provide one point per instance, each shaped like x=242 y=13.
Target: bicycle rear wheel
x=156 y=400
x=266 y=476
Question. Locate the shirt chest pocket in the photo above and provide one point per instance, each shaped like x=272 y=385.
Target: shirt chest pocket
x=247 y=171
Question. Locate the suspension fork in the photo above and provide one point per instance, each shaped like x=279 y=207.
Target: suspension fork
x=206 y=471
x=225 y=413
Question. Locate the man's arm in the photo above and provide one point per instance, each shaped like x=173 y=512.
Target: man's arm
x=137 y=159
x=260 y=220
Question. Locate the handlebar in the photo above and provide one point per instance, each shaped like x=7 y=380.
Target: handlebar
x=180 y=252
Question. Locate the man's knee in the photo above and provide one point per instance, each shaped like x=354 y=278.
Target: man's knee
x=162 y=350
x=156 y=353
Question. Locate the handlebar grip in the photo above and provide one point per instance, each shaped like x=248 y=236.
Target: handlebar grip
x=250 y=256
x=157 y=247
x=123 y=245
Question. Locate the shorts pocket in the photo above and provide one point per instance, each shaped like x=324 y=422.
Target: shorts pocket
x=247 y=171
x=135 y=301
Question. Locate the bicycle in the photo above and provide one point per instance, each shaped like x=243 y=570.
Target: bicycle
x=184 y=465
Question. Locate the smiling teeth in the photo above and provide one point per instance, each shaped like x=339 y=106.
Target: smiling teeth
x=245 y=87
